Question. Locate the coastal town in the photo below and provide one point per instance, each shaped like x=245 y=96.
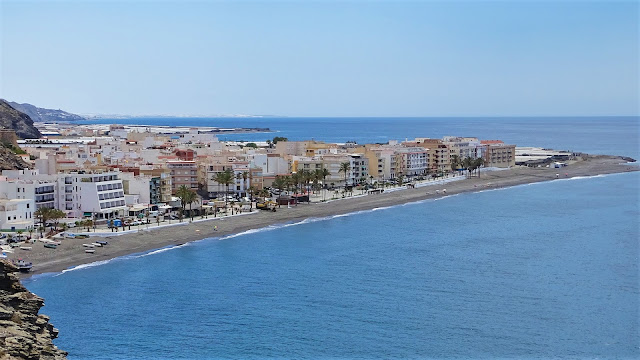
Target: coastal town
x=128 y=173
x=107 y=181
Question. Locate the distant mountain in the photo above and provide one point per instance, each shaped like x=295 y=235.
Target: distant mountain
x=13 y=119
x=45 y=115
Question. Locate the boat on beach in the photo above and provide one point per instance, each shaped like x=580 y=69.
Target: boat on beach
x=23 y=266
x=90 y=251
x=27 y=248
x=96 y=244
x=103 y=243
x=51 y=246
x=88 y=245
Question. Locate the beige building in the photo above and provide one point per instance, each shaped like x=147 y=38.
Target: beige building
x=499 y=154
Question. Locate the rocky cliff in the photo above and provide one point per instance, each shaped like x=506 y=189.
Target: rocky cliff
x=45 y=115
x=11 y=118
x=10 y=161
x=23 y=333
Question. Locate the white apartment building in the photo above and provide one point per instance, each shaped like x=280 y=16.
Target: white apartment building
x=16 y=214
x=78 y=194
x=358 y=166
x=464 y=147
x=96 y=195
x=412 y=161
x=270 y=164
x=239 y=186
x=41 y=190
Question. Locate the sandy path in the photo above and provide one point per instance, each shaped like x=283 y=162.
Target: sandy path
x=71 y=252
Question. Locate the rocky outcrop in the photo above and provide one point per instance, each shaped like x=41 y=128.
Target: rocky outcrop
x=39 y=114
x=23 y=333
x=10 y=161
x=13 y=119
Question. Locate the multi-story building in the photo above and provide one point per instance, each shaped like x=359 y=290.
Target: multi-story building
x=358 y=166
x=160 y=188
x=499 y=154
x=16 y=214
x=97 y=195
x=183 y=173
x=242 y=177
x=464 y=147
x=412 y=161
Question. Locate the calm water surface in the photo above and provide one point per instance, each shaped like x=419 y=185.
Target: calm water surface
x=598 y=135
x=537 y=271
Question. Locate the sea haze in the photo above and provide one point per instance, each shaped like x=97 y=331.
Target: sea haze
x=534 y=271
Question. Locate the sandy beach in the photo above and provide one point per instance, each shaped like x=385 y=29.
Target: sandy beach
x=72 y=253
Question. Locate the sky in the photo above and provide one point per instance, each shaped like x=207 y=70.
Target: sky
x=323 y=58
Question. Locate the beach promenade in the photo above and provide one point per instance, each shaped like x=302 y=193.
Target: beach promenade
x=140 y=239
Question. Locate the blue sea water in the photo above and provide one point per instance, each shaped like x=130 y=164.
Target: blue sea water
x=597 y=135
x=537 y=271
x=533 y=271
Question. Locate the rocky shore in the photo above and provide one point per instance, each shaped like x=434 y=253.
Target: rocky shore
x=24 y=334
x=71 y=252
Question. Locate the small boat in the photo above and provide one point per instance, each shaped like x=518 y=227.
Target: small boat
x=97 y=244
x=103 y=243
x=90 y=251
x=50 y=246
x=23 y=266
x=25 y=248
x=88 y=245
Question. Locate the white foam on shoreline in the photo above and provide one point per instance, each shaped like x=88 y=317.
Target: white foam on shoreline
x=88 y=265
x=310 y=220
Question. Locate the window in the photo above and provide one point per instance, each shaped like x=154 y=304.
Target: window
x=28 y=205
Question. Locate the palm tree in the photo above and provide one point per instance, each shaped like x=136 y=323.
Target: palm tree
x=325 y=173
x=186 y=196
x=55 y=215
x=400 y=179
x=252 y=191
x=88 y=223
x=245 y=176
x=317 y=175
x=455 y=161
x=477 y=163
x=344 y=168
x=264 y=193
x=220 y=179
x=43 y=214
x=225 y=178
x=467 y=163
x=280 y=183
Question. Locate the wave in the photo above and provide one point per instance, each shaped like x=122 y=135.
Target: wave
x=89 y=265
x=308 y=221
x=161 y=250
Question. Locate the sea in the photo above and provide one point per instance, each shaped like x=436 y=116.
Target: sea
x=545 y=270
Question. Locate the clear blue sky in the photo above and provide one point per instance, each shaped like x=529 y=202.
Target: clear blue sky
x=323 y=58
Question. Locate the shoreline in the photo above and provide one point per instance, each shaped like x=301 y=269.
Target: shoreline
x=71 y=252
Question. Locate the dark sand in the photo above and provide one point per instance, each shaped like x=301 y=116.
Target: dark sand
x=71 y=252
